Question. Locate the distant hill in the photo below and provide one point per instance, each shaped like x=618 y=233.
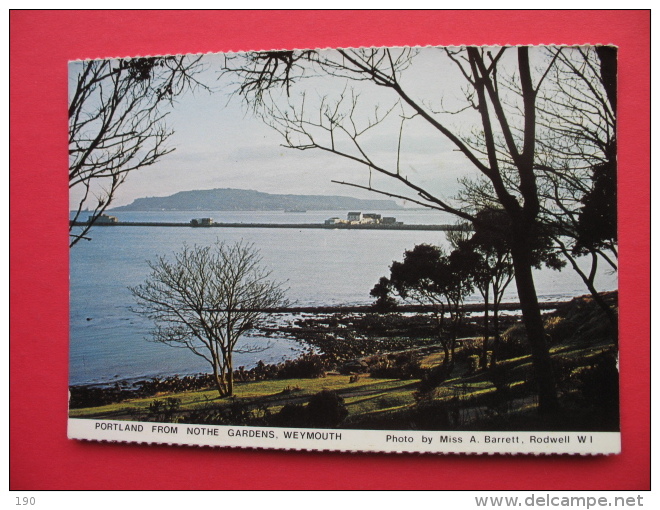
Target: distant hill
x=227 y=199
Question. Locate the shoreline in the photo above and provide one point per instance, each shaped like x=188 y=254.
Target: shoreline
x=467 y=307
x=130 y=383
x=366 y=226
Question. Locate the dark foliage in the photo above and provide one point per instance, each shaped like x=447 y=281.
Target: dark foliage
x=89 y=396
x=237 y=412
x=599 y=391
x=175 y=384
x=384 y=301
x=163 y=411
x=439 y=415
x=513 y=343
x=433 y=377
x=291 y=415
x=406 y=365
x=326 y=409
x=597 y=220
x=500 y=399
x=94 y=396
x=309 y=365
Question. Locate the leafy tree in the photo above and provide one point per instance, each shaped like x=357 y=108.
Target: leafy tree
x=117 y=111
x=430 y=277
x=489 y=254
x=381 y=291
x=205 y=298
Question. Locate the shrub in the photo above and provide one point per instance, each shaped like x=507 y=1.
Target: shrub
x=500 y=400
x=473 y=363
x=439 y=415
x=207 y=415
x=433 y=377
x=599 y=390
x=513 y=343
x=354 y=367
x=469 y=347
x=163 y=410
x=291 y=415
x=174 y=384
x=237 y=412
x=87 y=396
x=309 y=365
x=558 y=329
x=405 y=365
x=326 y=409
x=240 y=412
x=565 y=369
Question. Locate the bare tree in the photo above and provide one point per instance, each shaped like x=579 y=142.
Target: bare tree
x=578 y=118
x=509 y=167
x=575 y=162
x=117 y=111
x=205 y=298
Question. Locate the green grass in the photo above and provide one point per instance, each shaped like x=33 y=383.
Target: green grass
x=371 y=401
x=270 y=393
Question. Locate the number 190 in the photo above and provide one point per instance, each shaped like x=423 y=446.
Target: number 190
x=25 y=501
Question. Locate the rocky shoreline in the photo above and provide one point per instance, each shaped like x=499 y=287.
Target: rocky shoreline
x=334 y=335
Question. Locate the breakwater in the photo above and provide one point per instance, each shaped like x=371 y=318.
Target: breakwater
x=364 y=226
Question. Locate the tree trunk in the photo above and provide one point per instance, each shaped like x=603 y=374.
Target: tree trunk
x=496 y=330
x=454 y=331
x=484 y=356
x=445 y=348
x=533 y=321
x=440 y=321
x=609 y=312
x=219 y=381
x=589 y=282
x=230 y=375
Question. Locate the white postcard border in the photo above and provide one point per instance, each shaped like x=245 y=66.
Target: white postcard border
x=348 y=440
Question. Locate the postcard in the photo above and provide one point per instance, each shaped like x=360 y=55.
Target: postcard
x=408 y=249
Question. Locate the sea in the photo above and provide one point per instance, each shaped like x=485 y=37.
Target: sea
x=109 y=342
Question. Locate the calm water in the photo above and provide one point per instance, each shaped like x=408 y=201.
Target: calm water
x=320 y=267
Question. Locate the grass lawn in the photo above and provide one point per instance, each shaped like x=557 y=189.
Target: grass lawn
x=362 y=396
x=368 y=398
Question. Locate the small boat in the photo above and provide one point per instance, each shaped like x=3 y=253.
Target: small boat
x=295 y=210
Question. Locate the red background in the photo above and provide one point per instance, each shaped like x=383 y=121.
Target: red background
x=41 y=457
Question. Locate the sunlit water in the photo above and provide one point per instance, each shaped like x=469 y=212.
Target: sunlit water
x=320 y=267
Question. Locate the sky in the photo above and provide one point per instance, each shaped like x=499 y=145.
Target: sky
x=219 y=143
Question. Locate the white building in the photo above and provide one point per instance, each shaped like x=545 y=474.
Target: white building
x=355 y=217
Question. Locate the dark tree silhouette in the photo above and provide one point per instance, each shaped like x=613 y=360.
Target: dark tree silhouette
x=501 y=101
x=578 y=119
x=117 y=111
x=381 y=291
x=430 y=277
x=486 y=252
